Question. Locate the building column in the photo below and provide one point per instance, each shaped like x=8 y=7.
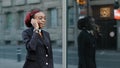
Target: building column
x=0 y=23
x=64 y=33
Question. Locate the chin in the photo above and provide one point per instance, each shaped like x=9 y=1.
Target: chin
x=41 y=27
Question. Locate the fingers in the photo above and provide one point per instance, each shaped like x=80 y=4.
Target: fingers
x=34 y=23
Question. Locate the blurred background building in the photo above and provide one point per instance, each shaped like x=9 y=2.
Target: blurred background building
x=103 y=12
x=12 y=13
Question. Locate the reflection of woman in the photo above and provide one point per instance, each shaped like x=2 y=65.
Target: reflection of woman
x=86 y=43
x=37 y=41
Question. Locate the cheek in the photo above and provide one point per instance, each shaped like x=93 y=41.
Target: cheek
x=43 y=22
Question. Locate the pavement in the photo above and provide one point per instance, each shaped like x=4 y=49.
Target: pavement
x=104 y=59
x=6 y=62
x=9 y=63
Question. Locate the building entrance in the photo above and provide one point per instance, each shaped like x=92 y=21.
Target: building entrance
x=108 y=30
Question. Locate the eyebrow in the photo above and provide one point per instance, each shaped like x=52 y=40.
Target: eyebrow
x=41 y=16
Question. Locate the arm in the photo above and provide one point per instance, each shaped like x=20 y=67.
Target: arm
x=81 y=48
x=30 y=42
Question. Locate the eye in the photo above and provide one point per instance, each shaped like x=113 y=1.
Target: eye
x=40 y=18
x=44 y=18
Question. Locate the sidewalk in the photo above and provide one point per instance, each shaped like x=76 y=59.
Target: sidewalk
x=8 y=63
x=104 y=58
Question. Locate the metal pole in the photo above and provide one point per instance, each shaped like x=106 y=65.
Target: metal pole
x=18 y=54
x=75 y=22
x=87 y=7
x=64 y=33
x=118 y=35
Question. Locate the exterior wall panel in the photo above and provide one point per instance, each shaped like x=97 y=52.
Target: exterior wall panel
x=19 y=2
x=33 y=1
x=6 y=3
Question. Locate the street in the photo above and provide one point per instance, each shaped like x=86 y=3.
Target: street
x=104 y=58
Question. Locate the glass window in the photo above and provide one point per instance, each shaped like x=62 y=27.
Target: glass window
x=9 y=18
x=20 y=19
x=52 y=20
x=70 y=16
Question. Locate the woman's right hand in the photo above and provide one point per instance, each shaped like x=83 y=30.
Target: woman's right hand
x=34 y=23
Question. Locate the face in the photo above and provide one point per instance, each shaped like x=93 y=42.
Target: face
x=41 y=18
x=92 y=23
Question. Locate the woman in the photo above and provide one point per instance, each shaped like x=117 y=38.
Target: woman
x=86 y=43
x=37 y=41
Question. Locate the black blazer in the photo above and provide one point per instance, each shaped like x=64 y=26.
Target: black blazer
x=39 y=50
x=86 y=50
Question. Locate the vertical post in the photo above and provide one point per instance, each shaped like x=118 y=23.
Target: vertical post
x=75 y=22
x=116 y=6
x=18 y=54
x=0 y=20
x=118 y=35
x=87 y=7
x=64 y=33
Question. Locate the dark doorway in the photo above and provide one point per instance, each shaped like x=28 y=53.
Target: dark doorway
x=108 y=30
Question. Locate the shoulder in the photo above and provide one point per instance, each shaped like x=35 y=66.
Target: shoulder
x=27 y=31
x=45 y=32
x=83 y=32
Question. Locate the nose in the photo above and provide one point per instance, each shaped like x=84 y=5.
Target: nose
x=43 y=20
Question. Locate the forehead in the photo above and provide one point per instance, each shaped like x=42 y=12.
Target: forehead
x=40 y=14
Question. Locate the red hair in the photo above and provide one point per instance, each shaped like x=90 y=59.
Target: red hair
x=29 y=16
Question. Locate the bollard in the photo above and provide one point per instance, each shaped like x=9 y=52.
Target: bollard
x=18 y=54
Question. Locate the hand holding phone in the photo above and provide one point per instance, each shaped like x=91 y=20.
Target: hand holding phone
x=34 y=23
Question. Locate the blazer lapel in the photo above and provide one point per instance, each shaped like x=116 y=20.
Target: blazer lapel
x=45 y=39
